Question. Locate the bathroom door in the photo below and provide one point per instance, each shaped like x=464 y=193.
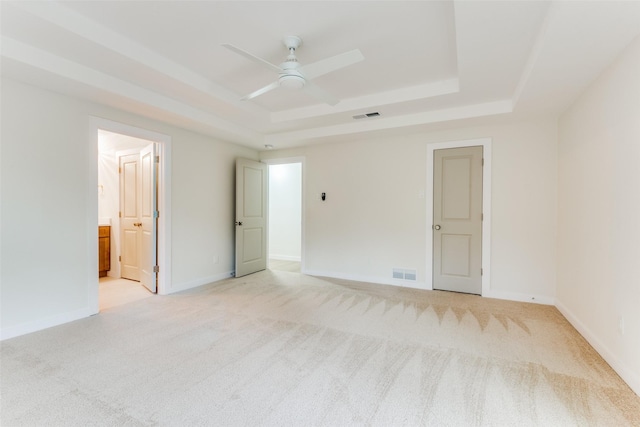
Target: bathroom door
x=148 y=218
x=139 y=217
x=130 y=235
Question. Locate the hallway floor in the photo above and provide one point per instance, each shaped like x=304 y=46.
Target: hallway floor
x=115 y=292
x=279 y=265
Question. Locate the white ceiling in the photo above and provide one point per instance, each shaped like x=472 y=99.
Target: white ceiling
x=427 y=63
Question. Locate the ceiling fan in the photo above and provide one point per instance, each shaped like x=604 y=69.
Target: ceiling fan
x=293 y=75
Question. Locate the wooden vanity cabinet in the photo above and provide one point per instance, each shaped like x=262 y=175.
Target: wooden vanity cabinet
x=104 y=249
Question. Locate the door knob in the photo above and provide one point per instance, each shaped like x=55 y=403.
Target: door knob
x=436 y=227
x=137 y=224
x=238 y=222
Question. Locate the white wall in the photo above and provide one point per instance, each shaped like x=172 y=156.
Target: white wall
x=203 y=209
x=374 y=217
x=49 y=202
x=285 y=211
x=599 y=215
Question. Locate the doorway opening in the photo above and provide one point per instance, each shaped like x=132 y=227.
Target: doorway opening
x=115 y=145
x=285 y=215
x=119 y=212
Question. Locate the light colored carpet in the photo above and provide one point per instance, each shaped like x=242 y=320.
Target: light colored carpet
x=283 y=349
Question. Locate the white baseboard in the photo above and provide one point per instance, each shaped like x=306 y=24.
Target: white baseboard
x=199 y=282
x=369 y=279
x=511 y=296
x=285 y=257
x=514 y=296
x=627 y=374
x=38 y=325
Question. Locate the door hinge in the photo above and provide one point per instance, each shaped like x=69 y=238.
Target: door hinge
x=156 y=214
x=157 y=159
x=119 y=214
x=482 y=217
x=119 y=170
x=120 y=258
x=156 y=268
x=481 y=271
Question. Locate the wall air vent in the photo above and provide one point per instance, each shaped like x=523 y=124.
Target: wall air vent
x=367 y=115
x=410 y=275
x=401 y=273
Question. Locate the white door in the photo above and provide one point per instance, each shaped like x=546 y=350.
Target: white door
x=130 y=216
x=251 y=216
x=148 y=218
x=457 y=220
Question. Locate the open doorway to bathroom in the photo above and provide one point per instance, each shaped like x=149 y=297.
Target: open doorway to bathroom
x=161 y=168
x=119 y=207
x=285 y=216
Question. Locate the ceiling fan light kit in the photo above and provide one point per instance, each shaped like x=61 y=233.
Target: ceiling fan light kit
x=290 y=77
x=293 y=76
x=291 y=81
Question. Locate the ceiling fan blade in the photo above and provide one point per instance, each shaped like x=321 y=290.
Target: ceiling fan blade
x=332 y=63
x=320 y=94
x=261 y=91
x=252 y=57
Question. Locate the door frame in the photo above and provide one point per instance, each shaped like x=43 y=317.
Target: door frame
x=486 y=207
x=164 y=203
x=284 y=161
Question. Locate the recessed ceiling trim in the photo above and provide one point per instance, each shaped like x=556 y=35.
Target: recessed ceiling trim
x=37 y=58
x=90 y=30
x=456 y=113
x=429 y=90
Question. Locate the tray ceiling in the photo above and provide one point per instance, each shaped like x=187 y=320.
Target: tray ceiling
x=427 y=63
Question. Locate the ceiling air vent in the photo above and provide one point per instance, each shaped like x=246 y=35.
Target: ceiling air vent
x=366 y=115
